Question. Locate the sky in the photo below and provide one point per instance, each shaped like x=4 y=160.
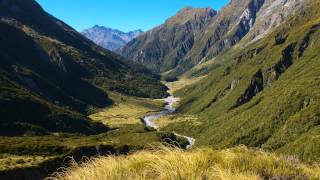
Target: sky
x=125 y=15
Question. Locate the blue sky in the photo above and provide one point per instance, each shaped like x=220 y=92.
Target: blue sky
x=124 y=15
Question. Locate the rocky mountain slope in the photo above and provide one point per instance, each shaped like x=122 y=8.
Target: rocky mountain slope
x=164 y=47
x=193 y=35
x=263 y=92
x=108 y=38
x=51 y=75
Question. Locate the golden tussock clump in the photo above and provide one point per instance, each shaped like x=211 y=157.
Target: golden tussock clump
x=205 y=163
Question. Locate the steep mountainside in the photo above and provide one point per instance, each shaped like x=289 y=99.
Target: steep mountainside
x=265 y=94
x=50 y=75
x=196 y=35
x=108 y=38
x=164 y=47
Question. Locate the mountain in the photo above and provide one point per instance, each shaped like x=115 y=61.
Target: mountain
x=108 y=38
x=164 y=47
x=264 y=91
x=195 y=35
x=51 y=75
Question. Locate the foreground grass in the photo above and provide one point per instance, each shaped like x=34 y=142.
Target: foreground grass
x=205 y=163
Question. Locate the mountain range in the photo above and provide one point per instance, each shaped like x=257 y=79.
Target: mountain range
x=195 y=35
x=108 y=38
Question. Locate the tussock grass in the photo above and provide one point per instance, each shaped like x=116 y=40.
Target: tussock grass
x=204 y=163
x=10 y=161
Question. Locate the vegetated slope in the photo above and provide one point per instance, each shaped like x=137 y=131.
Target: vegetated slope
x=165 y=163
x=108 y=38
x=196 y=35
x=264 y=95
x=50 y=74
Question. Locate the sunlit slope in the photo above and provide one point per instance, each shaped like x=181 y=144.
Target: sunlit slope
x=262 y=95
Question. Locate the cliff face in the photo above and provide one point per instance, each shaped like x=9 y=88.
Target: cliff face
x=271 y=15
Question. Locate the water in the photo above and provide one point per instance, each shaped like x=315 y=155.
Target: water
x=169 y=109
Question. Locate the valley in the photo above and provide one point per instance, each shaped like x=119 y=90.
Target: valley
x=223 y=94
x=38 y=156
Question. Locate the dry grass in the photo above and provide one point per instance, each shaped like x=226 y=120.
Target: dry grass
x=174 y=164
x=120 y=114
x=9 y=161
x=180 y=118
x=183 y=82
x=126 y=111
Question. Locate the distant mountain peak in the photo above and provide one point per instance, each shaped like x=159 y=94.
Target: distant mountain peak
x=109 y=38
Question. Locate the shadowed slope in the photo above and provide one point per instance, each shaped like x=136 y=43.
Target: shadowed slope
x=51 y=74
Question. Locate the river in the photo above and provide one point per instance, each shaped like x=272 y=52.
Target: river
x=149 y=119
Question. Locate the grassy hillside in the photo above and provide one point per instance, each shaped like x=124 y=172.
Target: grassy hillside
x=24 y=113
x=264 y=95
x=165 y=163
